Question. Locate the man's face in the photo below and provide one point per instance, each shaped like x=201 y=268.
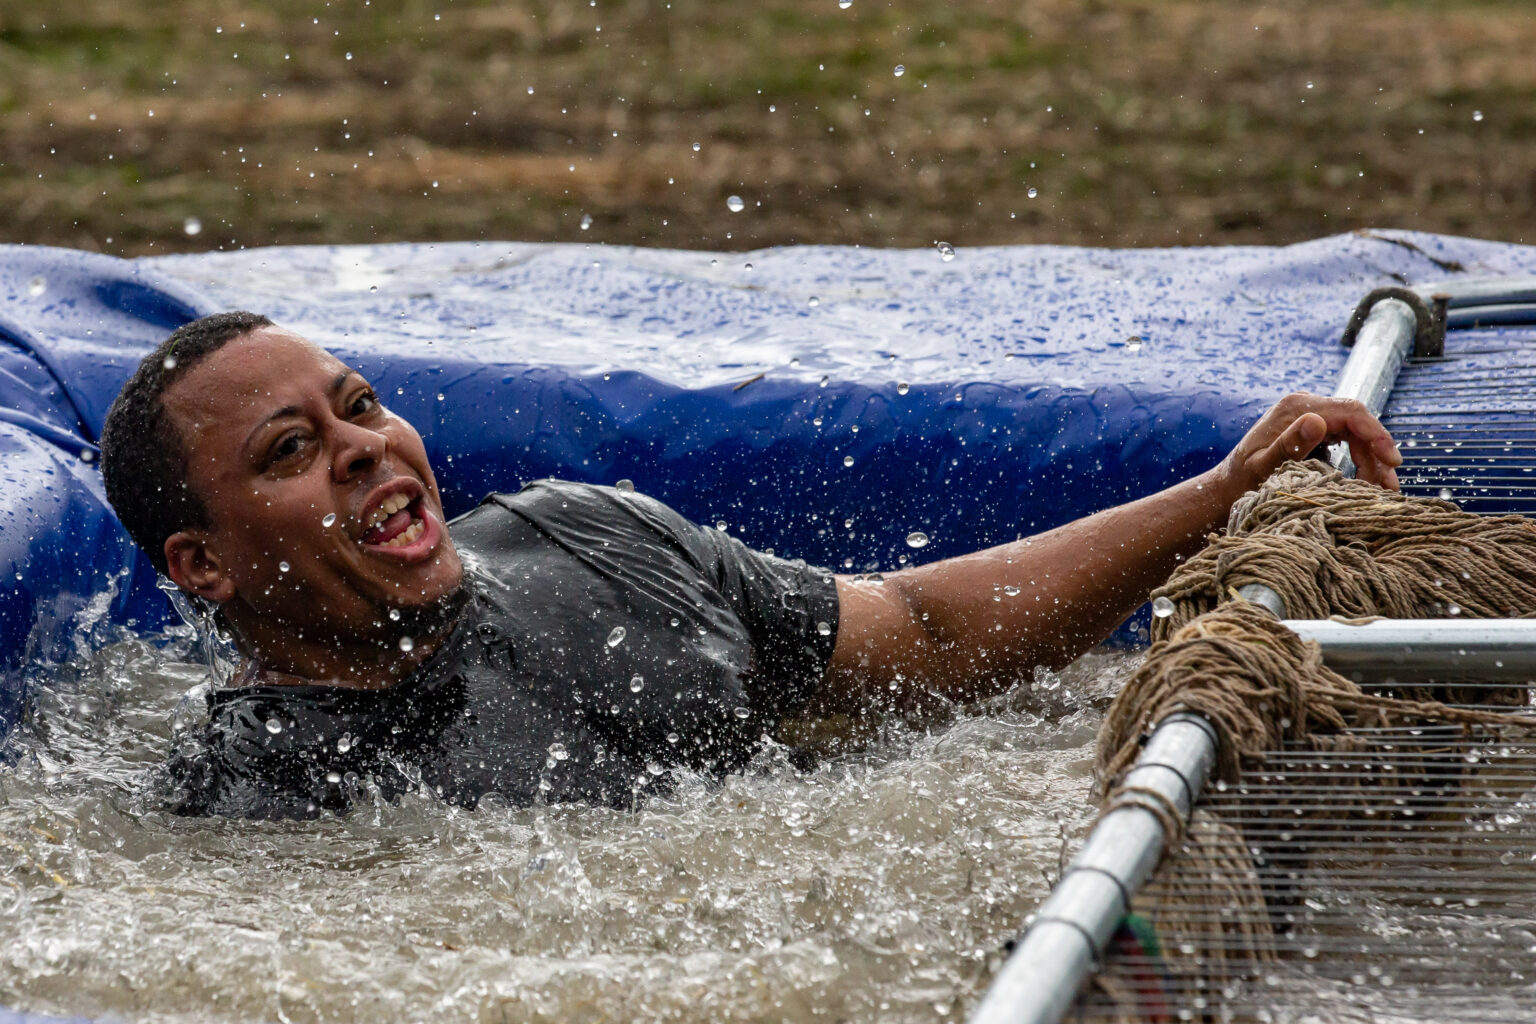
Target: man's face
x=326 y=514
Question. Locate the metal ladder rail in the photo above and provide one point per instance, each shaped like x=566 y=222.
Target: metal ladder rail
x=1039 y=981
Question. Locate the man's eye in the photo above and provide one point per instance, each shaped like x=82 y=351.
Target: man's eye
x=287 y=448
x=363 y=404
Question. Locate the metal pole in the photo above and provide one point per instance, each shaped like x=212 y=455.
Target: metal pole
x=1069 y=931
x=1384 y=341
x=1426 y=650
x=1041 y=978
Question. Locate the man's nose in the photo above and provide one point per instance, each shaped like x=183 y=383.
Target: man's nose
x=358 y=450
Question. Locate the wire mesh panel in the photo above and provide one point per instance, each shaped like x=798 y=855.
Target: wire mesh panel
x=1388 y=878
x=1466 y=422
x=1379 y=874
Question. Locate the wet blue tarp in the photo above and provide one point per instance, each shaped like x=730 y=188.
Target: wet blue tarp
x=823 y=402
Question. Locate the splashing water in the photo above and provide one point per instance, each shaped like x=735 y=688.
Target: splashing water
x=879 y=885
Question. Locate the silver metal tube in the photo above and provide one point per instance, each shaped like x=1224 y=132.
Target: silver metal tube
x=1426 y=650
x=1482 y=291
x=1039 y=981
x=1259 y=594
x=1384 y=341
x=1070 y=930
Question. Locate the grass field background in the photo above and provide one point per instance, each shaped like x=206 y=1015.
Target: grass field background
x=180 y=125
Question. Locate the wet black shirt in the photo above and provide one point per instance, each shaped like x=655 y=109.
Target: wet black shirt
x=604 y=640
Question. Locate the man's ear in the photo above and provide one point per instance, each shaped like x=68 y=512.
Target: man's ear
x=196 y=569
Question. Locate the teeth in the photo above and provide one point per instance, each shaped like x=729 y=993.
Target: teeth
x=407 y=535
x=388 y=507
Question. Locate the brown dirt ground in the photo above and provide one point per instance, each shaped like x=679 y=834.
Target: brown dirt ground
x=1115 y=122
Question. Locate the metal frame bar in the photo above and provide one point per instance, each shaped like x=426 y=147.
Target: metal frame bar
x=1039 y=981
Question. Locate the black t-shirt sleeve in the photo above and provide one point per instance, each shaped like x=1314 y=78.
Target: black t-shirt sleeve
x=788 y=608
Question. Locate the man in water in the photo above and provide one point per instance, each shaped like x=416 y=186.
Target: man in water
x=569 y=641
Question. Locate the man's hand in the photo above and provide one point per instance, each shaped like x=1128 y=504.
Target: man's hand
x=1300 y=422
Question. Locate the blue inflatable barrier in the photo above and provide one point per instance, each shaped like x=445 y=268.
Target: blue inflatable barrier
x=822 y=402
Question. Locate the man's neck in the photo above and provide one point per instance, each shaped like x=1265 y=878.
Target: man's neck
x=284 y=654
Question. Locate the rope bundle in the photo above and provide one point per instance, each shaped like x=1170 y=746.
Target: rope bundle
x=1330 y=546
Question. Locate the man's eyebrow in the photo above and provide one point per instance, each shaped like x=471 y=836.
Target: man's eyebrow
x=292 y=410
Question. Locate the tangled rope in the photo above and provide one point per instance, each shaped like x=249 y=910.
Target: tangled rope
x=1329 y=546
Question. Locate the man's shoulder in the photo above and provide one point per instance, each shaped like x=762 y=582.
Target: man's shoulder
x=554 y=507
x=546 y=495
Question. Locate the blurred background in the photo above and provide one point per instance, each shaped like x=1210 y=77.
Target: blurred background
x=178 y=125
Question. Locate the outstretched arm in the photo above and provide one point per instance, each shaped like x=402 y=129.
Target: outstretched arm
x=968 y=626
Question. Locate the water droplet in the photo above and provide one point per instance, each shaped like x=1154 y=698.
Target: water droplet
x=1162 y=607
x=1033 y=192
x=169 y=363
x=1011 y=590
x=192 y=226
x=616 y=637
x=899 y=70
x=847 y=460
x=283 y=567
x=333 y=777
x=394 y=615
x=917 y=539
x=558 y=751
x=1309 y=85
x=407 y=644
x=1133 y=343
x=721 y=525
x=1453 y=609
x=329 y=520
x=586 y=221
x=843 y=5
x=735 y=204
x=696 y=147
x=344 y=744
x=637 y=684
x=626 y=485
x=813 y=302
x=1445 y=494
x=902 y=387
x=742 y=713
x=274 y=726
x=672 y=738
x=824 y=628
x=37 y=285
x=1477 y=115
x=654 y=768
x=946 y=251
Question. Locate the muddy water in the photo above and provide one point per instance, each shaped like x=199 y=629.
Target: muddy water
x=876 y=886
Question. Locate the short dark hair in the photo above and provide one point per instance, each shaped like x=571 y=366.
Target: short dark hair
x=143 y=457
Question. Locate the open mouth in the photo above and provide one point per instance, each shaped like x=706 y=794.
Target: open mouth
x=396 y=523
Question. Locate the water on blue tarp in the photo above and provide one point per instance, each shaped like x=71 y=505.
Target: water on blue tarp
x=822 y=402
